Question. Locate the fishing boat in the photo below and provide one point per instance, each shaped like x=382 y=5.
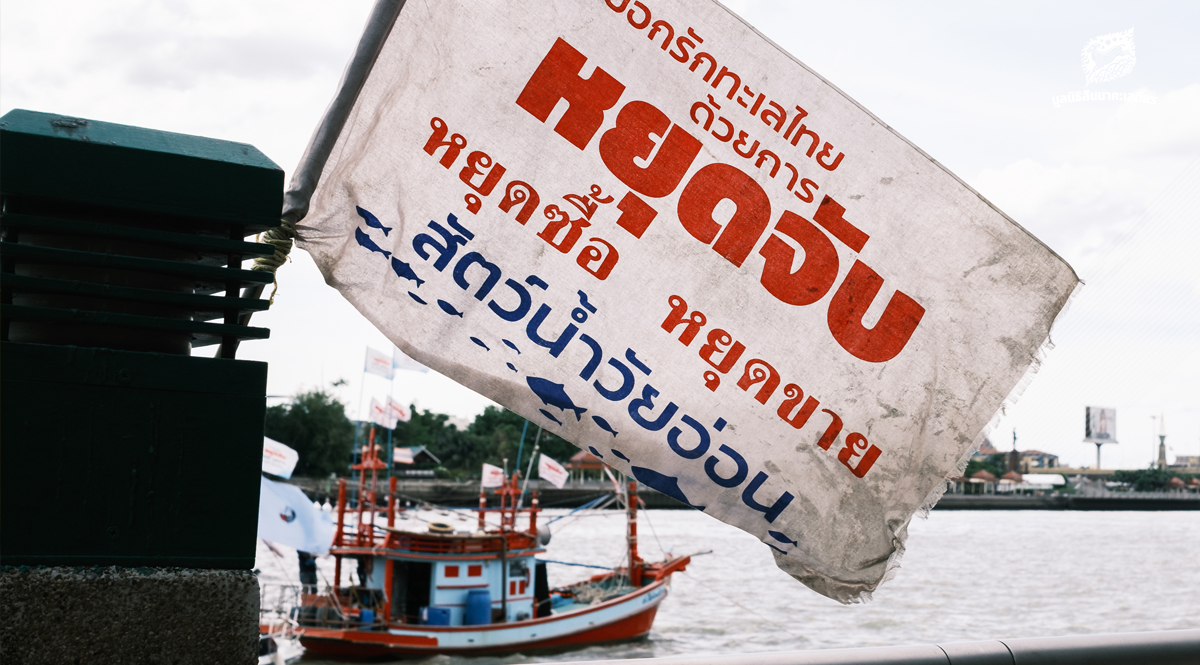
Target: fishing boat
x=432 y=587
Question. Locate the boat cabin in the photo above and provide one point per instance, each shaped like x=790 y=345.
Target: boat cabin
x=444 y=578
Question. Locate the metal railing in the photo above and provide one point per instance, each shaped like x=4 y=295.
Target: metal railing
x=1170 y=647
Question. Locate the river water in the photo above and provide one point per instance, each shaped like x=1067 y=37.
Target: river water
x=966 y=575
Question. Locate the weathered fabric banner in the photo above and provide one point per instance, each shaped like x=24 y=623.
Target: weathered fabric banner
x=651 y=231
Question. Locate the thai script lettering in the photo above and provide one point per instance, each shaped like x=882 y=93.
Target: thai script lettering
x=482 y=176
x=642 y=130
x=620 y=379
x=759 y=379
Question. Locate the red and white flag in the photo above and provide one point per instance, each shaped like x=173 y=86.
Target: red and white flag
x=552 y=471
x=378 y=363
x=493 y=476
x=378 y=414
x=651 y=231
x=278 y=459
x=397 y=412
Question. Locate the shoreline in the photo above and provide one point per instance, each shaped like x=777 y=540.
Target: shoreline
x=450 y=493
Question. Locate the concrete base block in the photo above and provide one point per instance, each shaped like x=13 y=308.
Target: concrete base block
x=128 y=615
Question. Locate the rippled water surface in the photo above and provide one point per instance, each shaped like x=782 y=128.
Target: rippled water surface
x=966 y=576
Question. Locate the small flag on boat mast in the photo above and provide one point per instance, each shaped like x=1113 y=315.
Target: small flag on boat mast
x=552 y=471
x=397 y=412
x=378 y=363
x=493 y=476
x=278 y=459
x=380 y=416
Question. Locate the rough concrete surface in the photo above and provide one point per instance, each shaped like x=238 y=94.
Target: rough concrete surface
x=98 y=615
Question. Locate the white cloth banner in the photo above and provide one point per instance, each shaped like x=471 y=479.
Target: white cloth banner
x=550 y=470
x=288 y=517
x=379 y=415
x=397 y=412
x=278 y=459
x=493 y=476
x=403 y=456
x=378 y=363
x=654 y=233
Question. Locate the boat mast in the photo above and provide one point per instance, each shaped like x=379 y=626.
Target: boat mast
x=635 y=561
x=337 y=536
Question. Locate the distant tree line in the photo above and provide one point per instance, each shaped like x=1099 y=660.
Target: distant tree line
x=995 y=464
x=1149 y=480
x=315 y=424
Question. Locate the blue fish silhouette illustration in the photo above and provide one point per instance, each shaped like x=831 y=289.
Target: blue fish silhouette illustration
x=553 y=394
x=449 y=309
x=668 y=485
x=597 y=453
x=511 y=366
x=417 y=298
x=775 y=548
x=619 y=454
x=604 y=425
x=511 y=345
x=365 y=240
x=405 y=271
x=550 y=416
x=782 y=537
x=372 y=221
x=480 y=342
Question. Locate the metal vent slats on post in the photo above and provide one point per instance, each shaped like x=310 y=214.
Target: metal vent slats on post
x=100 y=248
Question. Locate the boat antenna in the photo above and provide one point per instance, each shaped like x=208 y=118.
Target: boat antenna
x=528 y=472
x=521 y=446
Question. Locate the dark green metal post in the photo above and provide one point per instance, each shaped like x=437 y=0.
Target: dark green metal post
x=122 y=250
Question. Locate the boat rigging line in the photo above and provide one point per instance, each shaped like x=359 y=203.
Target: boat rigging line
x=585 y=506
x=568 y=563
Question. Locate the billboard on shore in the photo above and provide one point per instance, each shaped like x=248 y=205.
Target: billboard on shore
x=1100 y=425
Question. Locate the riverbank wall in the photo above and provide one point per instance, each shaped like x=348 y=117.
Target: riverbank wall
x=574 y=495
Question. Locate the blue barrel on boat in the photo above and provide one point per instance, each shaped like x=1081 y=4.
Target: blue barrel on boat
x=367 y=617
x=479 y=607
x=435 y=616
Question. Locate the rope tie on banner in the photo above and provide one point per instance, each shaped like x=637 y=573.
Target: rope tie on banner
x=281 y=239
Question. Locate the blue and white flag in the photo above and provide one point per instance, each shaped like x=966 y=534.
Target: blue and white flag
x=287 y=517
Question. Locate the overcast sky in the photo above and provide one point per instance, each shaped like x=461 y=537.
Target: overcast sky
x=1112 y=186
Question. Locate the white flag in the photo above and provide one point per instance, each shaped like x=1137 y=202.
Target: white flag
x=493 y=476
x=397 y=412
x=379 y=415
x=288 y=517
x=378 y=363
x=552 y=471
x=668 y=241
x=278 y=459
x=403 y=362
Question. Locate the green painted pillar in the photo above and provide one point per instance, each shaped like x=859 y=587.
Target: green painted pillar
x=120 y=452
